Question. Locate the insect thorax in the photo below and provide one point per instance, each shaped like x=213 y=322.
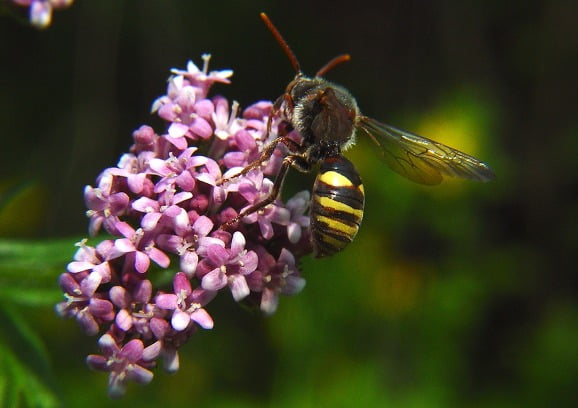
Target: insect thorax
x=325 y=114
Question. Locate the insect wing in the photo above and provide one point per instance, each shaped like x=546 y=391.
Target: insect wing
x=420 y=159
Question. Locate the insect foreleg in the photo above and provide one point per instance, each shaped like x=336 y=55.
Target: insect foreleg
x=293 y=146
x=298 y=162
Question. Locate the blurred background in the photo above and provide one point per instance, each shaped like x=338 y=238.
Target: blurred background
x=462 y=295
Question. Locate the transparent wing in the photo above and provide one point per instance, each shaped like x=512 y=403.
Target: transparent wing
x=420 y=159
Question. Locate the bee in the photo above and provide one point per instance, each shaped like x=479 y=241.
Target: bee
x=327 y=118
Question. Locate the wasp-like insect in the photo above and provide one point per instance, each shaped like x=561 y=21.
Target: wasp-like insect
x=327 y=119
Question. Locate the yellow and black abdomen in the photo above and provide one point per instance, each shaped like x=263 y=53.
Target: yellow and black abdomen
x=336 y=206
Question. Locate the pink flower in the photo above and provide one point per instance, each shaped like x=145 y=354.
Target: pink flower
x=138 y=247
x=274 y=277
x=229 y=267
x=186 y=304
x=164 y=202
x=131 y=362
x=104 y=206
x=41 y=10
x=82 y=302
x=135 y=310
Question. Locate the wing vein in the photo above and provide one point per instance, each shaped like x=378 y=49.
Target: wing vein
x=421 y=159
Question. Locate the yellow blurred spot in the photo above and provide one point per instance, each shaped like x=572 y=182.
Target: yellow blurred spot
x=459 y=121
x=397 y=288
x=22 y=208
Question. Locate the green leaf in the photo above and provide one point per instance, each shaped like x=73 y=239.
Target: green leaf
x=22 y=358
x=29 y=270
x=16 y=332
x=19 y=386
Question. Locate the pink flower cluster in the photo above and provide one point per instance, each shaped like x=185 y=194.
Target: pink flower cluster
x=40 y=11
x=164 y=206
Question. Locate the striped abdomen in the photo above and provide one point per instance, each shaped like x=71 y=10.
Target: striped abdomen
x=336 y=206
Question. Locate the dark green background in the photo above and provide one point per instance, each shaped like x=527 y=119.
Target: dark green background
x=462 y=295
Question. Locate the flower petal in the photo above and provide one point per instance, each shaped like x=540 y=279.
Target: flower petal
x=188 y=264
x=132 y=350
x=201 y=127
x=180 y=320
x=217 y=254
x=97 y=362
x=237 y=243
x=214 y=280
x=203 y=318
x=150 y=221
x=142 y=262
x=177 y=130
x=293 y=232
x=203 y=225
x=123 y=246
x=119 y=296
x=181 y=284
x=159 y=257
x=166 y=301
x=143 y=291
x=146 y=205
x=293 y=285
x=269 y=301
x=100 y=308
x=89 y=285
x=171 y=362
x=76 y=266
x=152 y=352
x=139 y=375
x=239 y=287
x=123 y=320
x=249 y=263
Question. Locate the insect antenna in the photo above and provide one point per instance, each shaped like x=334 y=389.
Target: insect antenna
x=281 y=42
x=331 y=64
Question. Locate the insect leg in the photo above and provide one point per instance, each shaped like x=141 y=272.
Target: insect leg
x=286 y=102
x=297 y=162
x=292 y=145
x=274 y=112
